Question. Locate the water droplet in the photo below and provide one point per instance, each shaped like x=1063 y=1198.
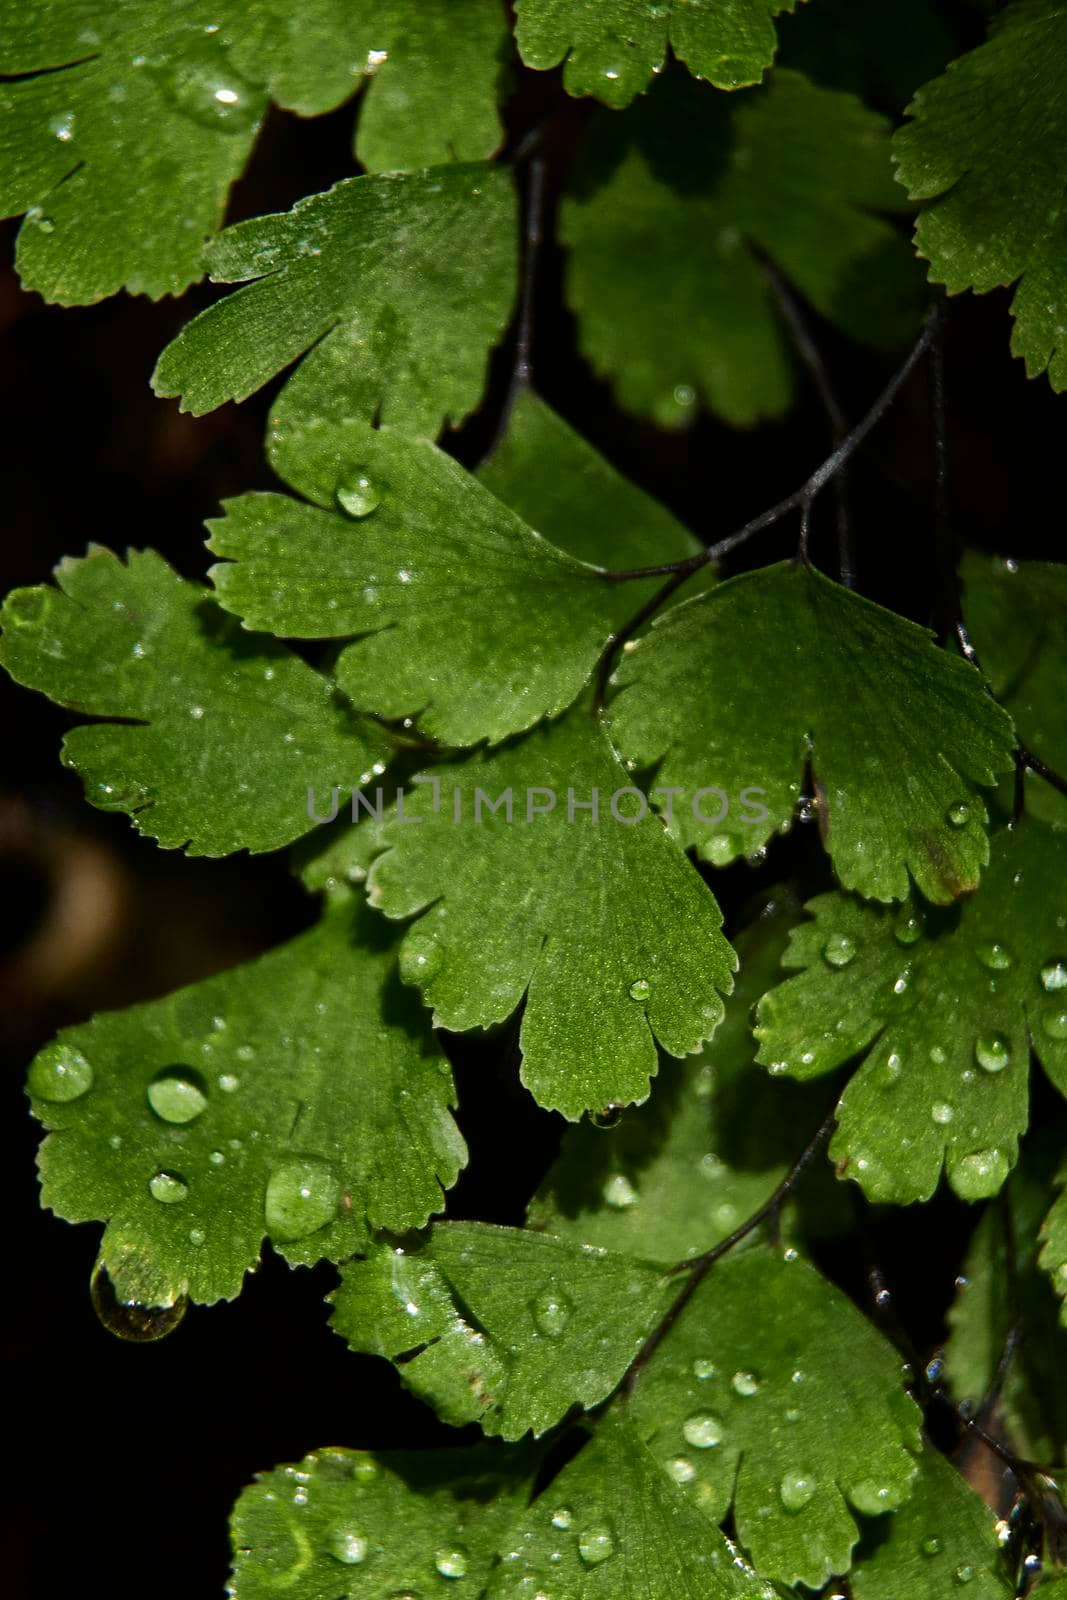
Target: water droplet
x=980 y=1174
x=872 y=1498
x=797 y=1490
x=169 y=1188
x=721 y=849
x=1054 y=975
x=129 y=1319
x=744 y=1383
x=177 y=1094
x=303 y=1195
x=228 y=1082
x=640 y=989
x=562 y=1518
x=958 y=814
x=596 y=1544
x=703 y=1369
x=421 y=955
x=992 y=1052
x=202 y=83
x=908 y=928
x=552 y=1311
x=997 y=957
x=619 y=1192
x=58 y=1074
x=702 y=1430
x=358 y=494
x=348 y=1546
x=197 y=1236
x=681 y=1470
x=607 y=1119
x=839 y=950
x=964 y=1573
x=451 y=1563
x=942 y=1113
x=1055 y=1024
x=931 y=1547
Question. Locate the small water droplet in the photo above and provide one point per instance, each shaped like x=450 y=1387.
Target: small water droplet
x=997 y=957
x=552 y=1311
x=596 y=1545
x=58 y=1074
x=958 y=814
x=964 y=1573
x=839 y=950
x=451 y=1563
x=303 y=1195
x=169 y=1188
x=640 y=989
x=619 y=1192
x=1054 y=975
x=931 y=1547
x=347 y=1545
x=702 y=1430
x=177 y=1094
x=201 y=81
x=992 y=1052
x=562 y=1518
x=797 y=1490
x=744 y=1383
x=681 y=1470
x=1054 y=1024
x=129 y=1319
x=721 y=849
x=358 y=494
x=908 y=928
x=197 y=1236
x=228 y=1082
x=872 y=1498
x=421 y=956
x=703 y=1369
x=942 y=1113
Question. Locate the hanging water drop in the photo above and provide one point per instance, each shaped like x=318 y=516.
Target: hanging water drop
x=702 y=1430
x=358 y=494
x=303 y=1195
x=552 y=1311
x=992 y=1052
x=839 y=950
x=797 y=1490
x=59 y=1074
x=169 y=1188
x=607 y=1119
x=129 y=1319
x=177 y=1094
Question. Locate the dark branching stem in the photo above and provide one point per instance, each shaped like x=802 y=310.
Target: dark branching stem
x=698 y=1267
x=812 y=361
x=533 y=240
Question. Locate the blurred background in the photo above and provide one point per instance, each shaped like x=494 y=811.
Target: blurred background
x=128 y=1457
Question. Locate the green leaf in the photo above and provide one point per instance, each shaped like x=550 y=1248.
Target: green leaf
x=346 y=1521
x=611 y=1525
x=499 y=1326
x=946 y=1012
x=985 y=146
x=216 y=734
x=779 y=667
x=944 y=1537
x=690 y=191
x=680 y=1172
x=1054 y=1247
x=469 y=619
x=125 y=125
x=1017 y=614
x=774 y=1394
x=613 y=48
x=299 y=1097
x=603 y=925
x=397 y=285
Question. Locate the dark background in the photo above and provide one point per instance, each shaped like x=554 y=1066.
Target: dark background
x=126 y=1458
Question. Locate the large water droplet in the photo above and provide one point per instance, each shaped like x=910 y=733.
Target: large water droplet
x=420 y=957
x=958 y=814
x=596 y=1544
x=177 y=1094
x=303 y=1195
x=58 y=1074
x=202 y=83
x=451 y=1563
x=996 y=956
x=797 y=1490
x=619 y=1192
x=169 y=1188
x=872 y=1498
x=552 y=1311
x=702 y=1430
x=908 y=928
x=992 y=1052
x=347 y=1545
x=744 y=1383
x=607 y=1119
x=640 y=989
x=1054 y=975
x=358 y=494
x=1054 y=1024
x=129 y=1319
x=839 y=950
x=980 y=1174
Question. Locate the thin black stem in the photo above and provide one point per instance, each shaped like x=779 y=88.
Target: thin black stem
x=698 y=1267
x=815 y=367
x=812 y=486
x=533 y=240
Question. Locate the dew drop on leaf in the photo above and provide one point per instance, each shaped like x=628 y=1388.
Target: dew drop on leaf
x=958 y=814
x=980 y=1174
x=964 y=1573
x=420 y=957
x=1054 y=975
x=640 y=989
x=995 y=956
x=129 y=1319
x=562 y=1518
x=942 y=1113
x=451 y=1563
x=202 y=83
x=1055 y=1024
x=681 y=1470
x=908 y=928
x=703 y=1368
x=839 y=950
x=358 y=494
x=796 y=1490
x=177 y=1094
x=347 y=1545
x=169 y=1188
x=619 y=1192
x=303 y=1195
x=744 y=1383
x=872 y=1498
x=59 y=1074
x=992 y=1052
x=596 y=1545
x=702 y=1430
x=552 y=1311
